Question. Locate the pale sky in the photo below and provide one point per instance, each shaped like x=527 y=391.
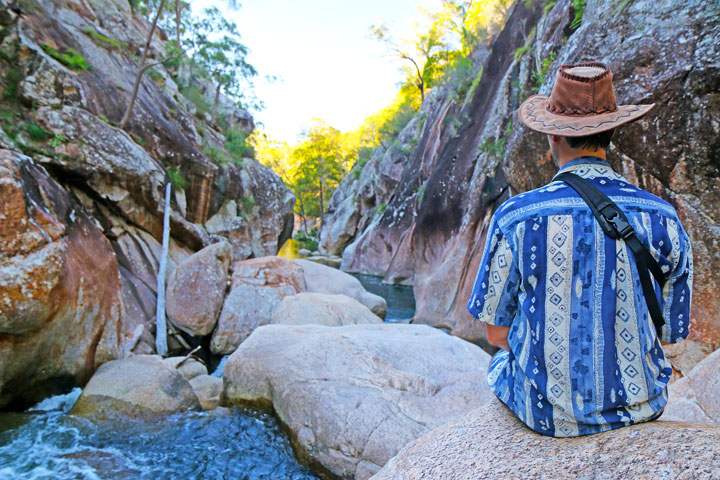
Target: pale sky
x=325 y=64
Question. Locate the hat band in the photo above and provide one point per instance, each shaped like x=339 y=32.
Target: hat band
x=572 y=112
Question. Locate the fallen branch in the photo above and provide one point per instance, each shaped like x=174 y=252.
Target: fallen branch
x=187 y=356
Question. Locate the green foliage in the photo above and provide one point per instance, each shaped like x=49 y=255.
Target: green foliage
x=155 y=75
x=70 y=58
x=175 y=52
x=108 y=41
x=139 y=140
x=305 y=241
x=214 y=44
x=237 y=146
x=521 y=51
x=495 y=148
x=178 y=181
x=421 y=193
x=195 y=96
x=579 y=8
x=539 y=75
x=57 y=140
x=549 y=4
x=381 y=208
x=248 y=202
x=37 y=133
x=103 y=118
x=13 y=77
x=215 y=155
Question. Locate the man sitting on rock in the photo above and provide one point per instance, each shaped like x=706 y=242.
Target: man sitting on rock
x=581 y=316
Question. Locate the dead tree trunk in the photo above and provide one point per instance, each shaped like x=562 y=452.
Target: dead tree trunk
x=160 y=321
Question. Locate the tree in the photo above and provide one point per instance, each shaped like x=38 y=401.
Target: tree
x=318 y=161
x=144 y=66
x=215 y=45
x=423 y=54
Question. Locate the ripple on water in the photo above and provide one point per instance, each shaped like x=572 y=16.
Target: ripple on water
x=46 y=443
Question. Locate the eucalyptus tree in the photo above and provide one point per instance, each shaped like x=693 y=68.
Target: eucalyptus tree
x=214 y=44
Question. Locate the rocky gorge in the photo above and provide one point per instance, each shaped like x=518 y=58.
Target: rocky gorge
x=305 y=344
x=466 y=152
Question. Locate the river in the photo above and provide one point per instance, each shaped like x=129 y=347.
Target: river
x=45 y=442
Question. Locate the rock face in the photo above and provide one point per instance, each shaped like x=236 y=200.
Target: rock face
x=196 y=289
x=82 y=224
x=322 y=309
x=135 y=386
x=60 y=292
x=323 y=279
x=258 y=286
x=471 y=153
x=353 y=396
x=696 y=397
x=491 y=443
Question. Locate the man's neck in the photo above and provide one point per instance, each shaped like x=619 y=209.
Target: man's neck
x=565 y=157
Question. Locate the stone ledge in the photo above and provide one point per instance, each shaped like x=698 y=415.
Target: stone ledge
x=491 y=443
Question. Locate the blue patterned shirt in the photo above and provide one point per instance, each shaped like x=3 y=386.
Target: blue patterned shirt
x=584 y=355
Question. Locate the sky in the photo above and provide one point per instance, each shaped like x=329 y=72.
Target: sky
x=326 y=66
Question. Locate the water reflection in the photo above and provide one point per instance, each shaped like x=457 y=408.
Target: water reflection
x=400 y=298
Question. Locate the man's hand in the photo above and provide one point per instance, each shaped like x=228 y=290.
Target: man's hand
x=498 y=336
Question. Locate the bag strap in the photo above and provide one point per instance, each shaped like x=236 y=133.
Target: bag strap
x=615 y=224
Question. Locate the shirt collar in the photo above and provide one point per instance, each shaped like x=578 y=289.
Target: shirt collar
x=585 y=161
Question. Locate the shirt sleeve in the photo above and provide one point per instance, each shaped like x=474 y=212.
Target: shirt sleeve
x=495 y=292
x=677 y=291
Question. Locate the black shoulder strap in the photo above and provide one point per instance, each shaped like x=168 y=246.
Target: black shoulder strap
x=615 y=224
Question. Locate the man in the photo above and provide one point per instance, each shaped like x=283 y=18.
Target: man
x=579 y=351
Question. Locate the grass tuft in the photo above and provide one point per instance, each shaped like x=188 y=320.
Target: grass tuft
x=70 y=58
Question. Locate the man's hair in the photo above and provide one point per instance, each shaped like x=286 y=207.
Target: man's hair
x=598 y=141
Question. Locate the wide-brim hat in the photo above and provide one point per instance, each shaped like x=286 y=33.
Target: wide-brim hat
x=582 y=102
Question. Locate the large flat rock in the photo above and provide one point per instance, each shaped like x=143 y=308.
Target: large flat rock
x=354 y=395
x=491 y=443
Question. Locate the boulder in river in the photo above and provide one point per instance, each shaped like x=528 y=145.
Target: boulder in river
x=258 y=286
x=208 y=390
x=139 y=385
x=491 y=442
x=323 y=279
x=354 y=395
x=696 y=397
x=189 y=368
x=323 y=309
x=196 y=289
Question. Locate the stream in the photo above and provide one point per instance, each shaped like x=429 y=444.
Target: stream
x=44 y=442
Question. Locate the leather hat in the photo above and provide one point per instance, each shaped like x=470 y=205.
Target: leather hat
x=582 y=102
